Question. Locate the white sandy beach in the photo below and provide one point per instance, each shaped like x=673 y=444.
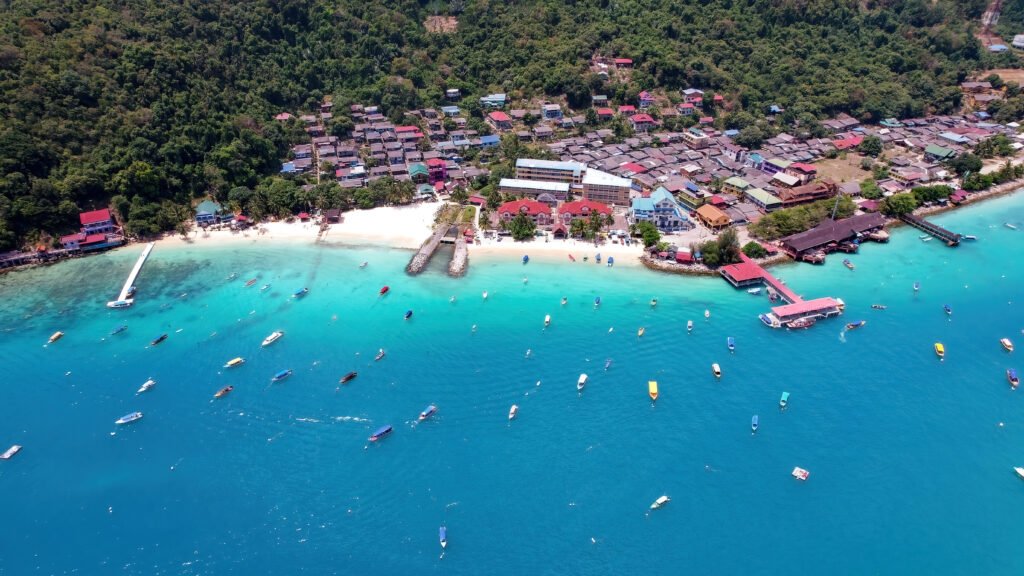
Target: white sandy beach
x=555 y=251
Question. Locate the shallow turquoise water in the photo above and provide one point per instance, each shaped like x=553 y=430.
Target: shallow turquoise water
x=910 y=470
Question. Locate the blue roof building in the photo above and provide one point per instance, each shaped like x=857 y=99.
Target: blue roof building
x=661 y=209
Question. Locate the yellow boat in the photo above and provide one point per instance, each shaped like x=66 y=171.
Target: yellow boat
x=235 y=362
x=640 y=332
x=940 y=350
x=652 y=390
x=56 y=336
x=1006 y=344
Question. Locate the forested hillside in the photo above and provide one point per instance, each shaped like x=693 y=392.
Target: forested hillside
x=148 y=105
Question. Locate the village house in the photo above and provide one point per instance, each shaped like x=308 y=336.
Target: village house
x=499 y=120
x=693 y=96
x=582 y=209
x=696 y=138
x=806 y=193
x=599 y=100
x=605 y=114
x=713 y=217
x=539 y=212
x=764 y=201
x=686 y=109
x=551 y=112
x=623 y=62
x=774 y=165
x=662 y=210
x=627 y=110
x=452 y=94
x=642 y=122
x=803 y=172
x=646 y=100
x=493 y=101
x=735 y=185
x=98 y=231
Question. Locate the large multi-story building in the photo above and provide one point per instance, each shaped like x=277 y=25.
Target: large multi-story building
x=550 y=171
x=608 y=188
x=547 y=192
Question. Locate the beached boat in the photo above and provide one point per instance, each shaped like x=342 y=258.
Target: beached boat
x=753 y=424
x=383 y=290
x=571 y=257
x=581 y=382
x=800 y=323
x=716 y=370
x=547 y=320
x=235 y=362
x=146 y=386
x=158 y=339
x=611 y=261
x=1011 y=377
x=947 y=309
x=855 y=325
x=661 y=501
x=654 y=302
x=707 y=314
x=730 y=343
x=274 y=337
x=380 y=353
x=640 y=332
x=689 y=325
x=119 y=329
x=10 y=452
x=784 y=401
x=223 y=391
x=128 y=418
x=265 y=287
x=754 y=291
x=512 y=412
x=526 y=259
x=652 y=390
x=250 y=282
x=428 y=412
x=300 y=293
x=55 y=336
x=1006 y=344
x=1019 y=470
x=597 y=259
x=848 y=264
x=408 y=314
x=800 y=474
x=442 y=535
x=878 y=306
x=281 y=375
x=940 y=350
x=380 y=433
x=597 y=301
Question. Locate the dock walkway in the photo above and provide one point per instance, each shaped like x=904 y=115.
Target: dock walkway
x=950 y=238
x=748 y=273
x=122 y=299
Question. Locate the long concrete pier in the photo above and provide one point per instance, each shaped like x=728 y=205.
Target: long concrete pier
x=950 y=238
x=123 y=301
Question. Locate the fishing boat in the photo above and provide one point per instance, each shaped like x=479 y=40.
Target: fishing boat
x=652 y=390
x=607 y=363
x=250 y=282
x=572 y=258
x=640 y=332
x=970 y=237
x=119 y=329
x=128 y=418
x=707 y=314
x=1019 y=470
x=348 y=377
x=526 y=259
x=879 y=306
x=363 y=265
x=223 y=391
x=384 y=290
x=547 y=320
x=730 y=343
x=917 y=286
x=581 y=382
x=10 y=452
x=801 y=323
x=940 y=350
x=443 y=537
x=654 y=302
x=848 y=264
x=1006 y=344
x=1011 y=377
x=753 y=424
x=300 y=293
x=55 y=336
x=947 y=309
x=689 y=325
x=754 y=291
x=274 y=337
x=408 y=314
x=119 y=304
x=661 y=501
x=597 y=259
x=281 y=375
x=716 y=370
x=855 y=325
x=380 y=354
x=380 y=433
x=564 y=300
x=769 y=320
x=784 y=401
x=235 y=362
x=800 y=474
x=131 y=291
x=512 y=412
x=158 y=339
x=611 y=261
x=146 y=386
x=1010 y=226
x=485 y=295
x=926 y=238
x=265 y=287
x=428 y=412
x=597 y=301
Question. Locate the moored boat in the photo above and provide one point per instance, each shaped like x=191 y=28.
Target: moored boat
x=707 y=314
x=526 y=259
x=753 y=424
x=1006 y=344
x=300 y=293
x=10 y=452
x=801 y=323
x=652 y=390
x=274 y=337
x=547 y=320
x=380 y=433
x=730 y=343
x=363 y=265
x=348 y=377
x=754 y=291
x=384 y=290
x=281 y=375
x=512 y=412
x=428 y=412
x=564 y=300
x=408 y=314
x=879 y=306
x=128 y=418
x=640 y=332
x=970 y=237
x=947 y=309
x=380 y=354
x=235 y=362
x=661 y=501
x=611 y=261
x=940 y=350
x=581 y=382
x=55 y=336
x=716 y=370
x=1019 y=470
x=597 y=301
x=784 y=401
x=800 y=474
x=146 y=386
x=1011 y=376
x=443 y=537
x=848 y=264
x=654 y=302
x=917 y=286
x=223 y=391
x=250 y=282
x=689 y=325
x=855 y=325
x=119 y=329
x=158 y=339
x=769 y=320
x=485 y=294
x=264 y=288
x=1010 y=226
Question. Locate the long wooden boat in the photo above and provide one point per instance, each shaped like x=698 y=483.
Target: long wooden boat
x=652 y=390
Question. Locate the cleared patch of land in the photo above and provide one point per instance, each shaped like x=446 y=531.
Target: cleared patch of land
x=843 y=169
x=1007 y=74
x=441 y=24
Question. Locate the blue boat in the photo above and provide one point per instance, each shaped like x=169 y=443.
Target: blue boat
x=428 y=412
x=948 y=309
x=408 y=314
x=753 y=424
x=611 y=261
x=598 y=258
x=784 y=401
x=731 y=343
x=119 y=329
x=443 y=536
x=380 y=433
x=301 y=293
x=597 y=302
x=526 y=259
x=281 y=375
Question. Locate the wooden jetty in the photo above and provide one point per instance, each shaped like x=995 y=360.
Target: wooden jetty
x=950 y=238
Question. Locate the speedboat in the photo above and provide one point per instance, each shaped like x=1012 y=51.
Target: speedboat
x=274 y=337
x=128 y=418
x=917 y=286
x=855 y=325
x=512 y=412
x=730 y=342
x=1011 y=377
x=753 y=424
x=640 y=332
x=380 y=354
x=119 y=304
x=408 y=314
x=146 y=386
x=784 y=400
x=940 y=350
x=547 y=320
x=970 y=237
x=716 y=370
x=235 y=362
x=10 y=452
x=158 y=339
x=265 y=287
x=800 y=474
x=769 y=320
x=55 y=336
x=581 y=382
x=1010 y=226
x=526 y=259
x=848 y=264
x=281 y=375
x=348 y=377
x=707 y=314
x=564 y=300
x=879 y=306
x=597 y=301
x=380 y=433
x=223 y=391
x=428 y=412
x=611 y=261
x=363 y=265
x=1006 y=344
x=300 y=293
x=443 y=537
x=607 y=363
x=652 y=390
x=654 y=302
x=661 y=501
x=485 y=294
x=689 y=325
x=384 y=290
x=1017 y=469
x=119 y=329
x=250 y=282
x=801 y=323
x=754 y=291
x=948 y=309
x=131 y=291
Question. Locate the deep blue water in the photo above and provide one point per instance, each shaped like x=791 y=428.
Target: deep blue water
x=911 y=471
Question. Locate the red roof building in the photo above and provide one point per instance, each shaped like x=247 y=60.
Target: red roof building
x=634 y=168
x=437 y=170
x=642 y=122
x=684 y=257
x=627 y=109
x=717 y=200
x=687 y=109
x=581 y=209
x=401 y=129
x=94 y=217
x=499 y=120
x=283 y=116
x=539 y=212
x=847 y=143
x=605 y=113
x=624 y=62
x=707 y=120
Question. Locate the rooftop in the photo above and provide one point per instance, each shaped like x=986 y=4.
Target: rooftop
x=599 y=178
x=533 y=185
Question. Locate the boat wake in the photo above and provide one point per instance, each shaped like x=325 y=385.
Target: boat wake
x=313 y=420
x=842 y=336
x=350 y=419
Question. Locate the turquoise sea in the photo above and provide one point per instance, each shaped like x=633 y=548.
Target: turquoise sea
x=910 y=457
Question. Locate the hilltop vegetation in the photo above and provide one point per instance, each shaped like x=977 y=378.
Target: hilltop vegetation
x=147 y=106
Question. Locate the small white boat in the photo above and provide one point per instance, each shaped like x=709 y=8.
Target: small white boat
x=689 y=325
x=581 y=382
x=512 y=412
x=716 y=370
x=1010 y=226
x=640 y=332
x=661 y=501
x=970 y=237
x=363 y=265
x=146 y=385
x=707 y=314
x=128 y=418
x=754 y=291
x=564 y=300
x=380 y=354
x=926 y=239
x=265 y=287
x=274 y=337
x=1017 y=469
x=1006 y=344
x=800 y=474
x=485 y=294
x=10 y=452
x=547 y=320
